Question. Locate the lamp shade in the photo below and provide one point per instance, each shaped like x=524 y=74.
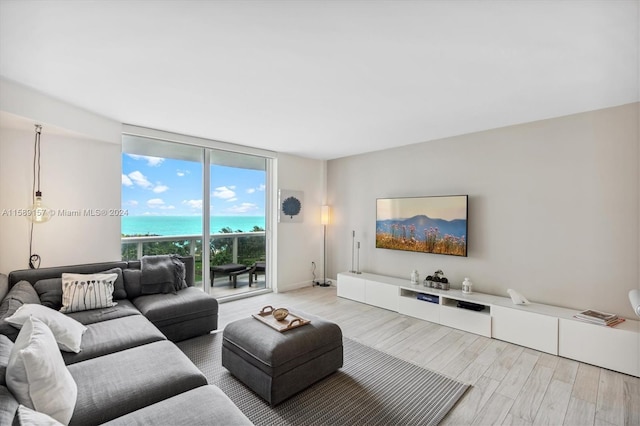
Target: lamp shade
x=634 y=298
x=325 y=215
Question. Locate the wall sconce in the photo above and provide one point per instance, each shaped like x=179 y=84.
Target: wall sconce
x=38 y=212
x=325 y=219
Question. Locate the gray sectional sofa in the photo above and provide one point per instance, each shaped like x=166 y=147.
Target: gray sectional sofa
x=128 y=371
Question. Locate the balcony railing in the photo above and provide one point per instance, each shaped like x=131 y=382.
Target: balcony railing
x=234 y=247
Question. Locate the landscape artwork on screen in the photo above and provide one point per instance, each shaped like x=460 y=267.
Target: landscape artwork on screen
x=423 y=224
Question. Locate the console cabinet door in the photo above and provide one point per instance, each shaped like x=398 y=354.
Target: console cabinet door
x=382 y=295
x=466 y=320
x=419 y=309
x=533 y=330
x=616 y=348
x=351 y=287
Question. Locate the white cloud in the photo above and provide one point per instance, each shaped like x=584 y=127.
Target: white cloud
x=242 y=208
x=151 y=161
x=158 y=189
x=194 y=204
x=182 y=172
x=179 y=173
x=131 y=203
x=261 y=187
x=231 y=200
x=155 y=203
x=139 y=179
x=224 y=192
x=136 y=177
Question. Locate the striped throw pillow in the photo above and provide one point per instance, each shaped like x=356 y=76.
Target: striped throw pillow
x=81 y=292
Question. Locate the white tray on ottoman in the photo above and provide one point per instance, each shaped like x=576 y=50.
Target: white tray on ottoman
x=277 y=365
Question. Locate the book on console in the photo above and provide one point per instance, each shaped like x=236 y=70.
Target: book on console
x=599 y=317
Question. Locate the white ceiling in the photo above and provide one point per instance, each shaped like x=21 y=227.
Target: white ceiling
x=325 y=79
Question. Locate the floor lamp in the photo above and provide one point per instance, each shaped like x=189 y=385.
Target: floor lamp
x=324 y=220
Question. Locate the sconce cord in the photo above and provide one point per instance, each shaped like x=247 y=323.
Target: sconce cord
x=34 y=259
x=36 y=160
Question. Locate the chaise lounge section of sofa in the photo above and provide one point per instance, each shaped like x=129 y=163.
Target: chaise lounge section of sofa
x=128 y=370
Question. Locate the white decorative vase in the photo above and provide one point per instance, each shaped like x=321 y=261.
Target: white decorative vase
x=467 y=286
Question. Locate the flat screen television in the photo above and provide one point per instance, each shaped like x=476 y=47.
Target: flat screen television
x=436 y=224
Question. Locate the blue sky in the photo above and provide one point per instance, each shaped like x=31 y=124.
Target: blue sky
x=167 y=187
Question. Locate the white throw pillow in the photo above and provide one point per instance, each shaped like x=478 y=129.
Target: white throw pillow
x=81 y=292
x=36 y=374
x=67 y=331
x=28 y=417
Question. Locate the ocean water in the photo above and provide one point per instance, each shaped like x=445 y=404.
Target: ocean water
x=186 y=225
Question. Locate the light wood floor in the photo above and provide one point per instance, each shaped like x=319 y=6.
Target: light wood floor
x=511 y=385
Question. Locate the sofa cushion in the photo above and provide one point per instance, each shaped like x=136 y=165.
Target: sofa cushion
x=67 y=331
x=187 y=305
x=205 y=404
x=106 y=337
x=124 y=308
x=116 y=384
x=36 y=374
x=4 y=286
x=83 y=292
x=5 y=350
x=21 y=293
x=28 y=417
x=35 y=275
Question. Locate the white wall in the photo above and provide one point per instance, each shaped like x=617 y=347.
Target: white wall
x=299 y=244
x=553 y=207
x=80 y=169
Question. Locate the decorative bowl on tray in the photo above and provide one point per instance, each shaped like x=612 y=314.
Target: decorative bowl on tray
x=280 y=313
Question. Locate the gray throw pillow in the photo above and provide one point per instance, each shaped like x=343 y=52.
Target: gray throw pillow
x=119 y=292
x=50 y=292
x=20 y=294
x=132 y=282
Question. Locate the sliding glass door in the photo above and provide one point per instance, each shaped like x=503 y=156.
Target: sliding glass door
x=238 y=223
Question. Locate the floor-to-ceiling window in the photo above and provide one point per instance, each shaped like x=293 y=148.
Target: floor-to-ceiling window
x=217 y=213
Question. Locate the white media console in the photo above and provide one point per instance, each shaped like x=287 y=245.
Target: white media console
x=545 y=328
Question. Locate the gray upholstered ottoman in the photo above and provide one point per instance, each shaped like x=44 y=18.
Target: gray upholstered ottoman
x=275 y=364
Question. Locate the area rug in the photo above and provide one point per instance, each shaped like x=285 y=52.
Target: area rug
x=372 y=388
